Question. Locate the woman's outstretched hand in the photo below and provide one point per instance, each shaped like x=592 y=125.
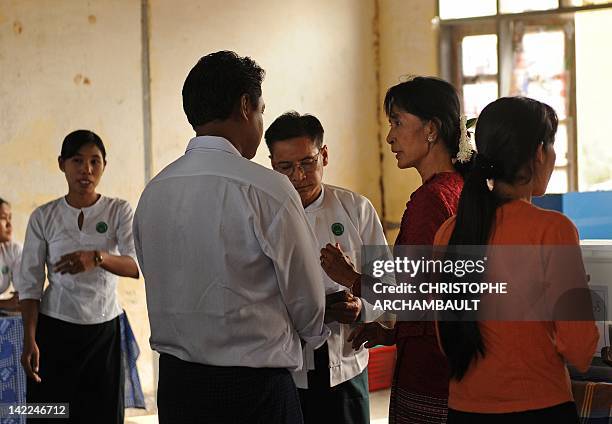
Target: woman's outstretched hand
x=372 y=334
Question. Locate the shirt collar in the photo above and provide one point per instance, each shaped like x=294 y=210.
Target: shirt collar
x=87 y=210
x=318 y=203
x=210 y=142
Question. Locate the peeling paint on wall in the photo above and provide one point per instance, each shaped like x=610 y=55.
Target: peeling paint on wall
x=17 y=27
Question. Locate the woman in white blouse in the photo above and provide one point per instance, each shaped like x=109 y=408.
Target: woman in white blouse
x=71 y=329
x=10 y=256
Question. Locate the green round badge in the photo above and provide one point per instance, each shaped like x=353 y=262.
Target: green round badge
x=101 y=227
x=337 y=229
x=5 y=269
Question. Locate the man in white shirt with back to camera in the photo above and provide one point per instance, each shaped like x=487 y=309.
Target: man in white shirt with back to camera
x=333 y=386
x=230 y=264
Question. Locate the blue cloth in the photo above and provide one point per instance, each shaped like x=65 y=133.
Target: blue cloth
x=13 y=378
x=134 y=397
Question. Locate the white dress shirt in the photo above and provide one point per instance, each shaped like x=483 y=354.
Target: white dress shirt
x=356 y=224
x=230 y=264
x=88 y=297
x=10 y=257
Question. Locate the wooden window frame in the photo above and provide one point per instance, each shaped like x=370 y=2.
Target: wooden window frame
x=452 y=31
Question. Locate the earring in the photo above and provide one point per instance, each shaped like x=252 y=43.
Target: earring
x=430 y=138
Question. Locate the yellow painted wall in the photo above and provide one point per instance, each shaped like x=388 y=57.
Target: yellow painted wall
x=593 y=70
x=318 y=57
x=67 y=65
x=408 y=46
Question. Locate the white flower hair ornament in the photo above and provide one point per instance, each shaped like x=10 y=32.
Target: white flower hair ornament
x=466 y=149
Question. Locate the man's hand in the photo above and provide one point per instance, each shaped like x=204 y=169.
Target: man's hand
x=343 y=307
x=338 y=266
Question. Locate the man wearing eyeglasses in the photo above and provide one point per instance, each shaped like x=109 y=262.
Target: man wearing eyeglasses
x=333 y=384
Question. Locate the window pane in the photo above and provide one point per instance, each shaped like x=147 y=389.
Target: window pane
x=517 y=6
x=593 y=91
x=479 y=54
x=558 y=181
x=453 y=9
x=584 y=2
x=561 y=145
x=477 y=96
x=539 y=68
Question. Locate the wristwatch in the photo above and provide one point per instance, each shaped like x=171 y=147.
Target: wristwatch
x=97 y=258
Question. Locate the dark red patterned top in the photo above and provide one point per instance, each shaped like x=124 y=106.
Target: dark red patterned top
x=429 y=206
x=421 y=367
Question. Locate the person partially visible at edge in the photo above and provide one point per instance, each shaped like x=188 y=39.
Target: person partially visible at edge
x=230 y=266
x=72 y=333
x=425 y=134
x=508 y=371
x=10 y=258
x=333 y=387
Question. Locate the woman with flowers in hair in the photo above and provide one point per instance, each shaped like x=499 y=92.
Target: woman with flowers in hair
x=428 y=134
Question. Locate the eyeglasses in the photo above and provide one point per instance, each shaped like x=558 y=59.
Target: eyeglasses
x=306 y=165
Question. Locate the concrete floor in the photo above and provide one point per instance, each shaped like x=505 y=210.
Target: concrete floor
x=379 y=406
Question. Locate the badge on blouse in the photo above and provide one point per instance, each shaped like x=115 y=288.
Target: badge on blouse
x=337 y=228
x=101 y=227
x=5 y=269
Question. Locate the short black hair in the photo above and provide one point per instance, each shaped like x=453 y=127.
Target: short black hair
x=215 y=84
x=292 y=124
x=2 y=202
x=79 y=138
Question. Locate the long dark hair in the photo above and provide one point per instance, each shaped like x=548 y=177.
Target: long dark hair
x=433 y=99
x=508 y=134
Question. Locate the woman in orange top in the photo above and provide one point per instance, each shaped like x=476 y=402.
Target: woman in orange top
x=509 y=371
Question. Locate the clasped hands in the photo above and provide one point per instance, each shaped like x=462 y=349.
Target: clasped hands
x=341 y=306
x=345 y=308
x=339 y=267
